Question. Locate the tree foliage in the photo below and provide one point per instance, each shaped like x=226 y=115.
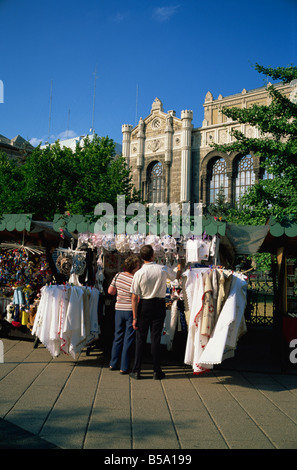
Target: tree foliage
x=54 y=179
x=276 y=149
x=11 y=184
x=221 y=207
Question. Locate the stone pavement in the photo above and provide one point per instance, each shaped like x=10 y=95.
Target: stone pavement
x=60 y=403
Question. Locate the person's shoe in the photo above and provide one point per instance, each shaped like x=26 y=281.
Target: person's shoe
x=124 y=372
x=159 y=375
x=135 y=375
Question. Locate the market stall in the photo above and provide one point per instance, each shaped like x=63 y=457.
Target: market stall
x=26 y=264
x=279 y=239
x=196 y=254
x=281 y=242
x=69 y=252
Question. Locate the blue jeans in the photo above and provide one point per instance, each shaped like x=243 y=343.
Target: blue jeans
x=123 y=340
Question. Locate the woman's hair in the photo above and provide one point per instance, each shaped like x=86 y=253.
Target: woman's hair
x=146 y=252
x=131 y=263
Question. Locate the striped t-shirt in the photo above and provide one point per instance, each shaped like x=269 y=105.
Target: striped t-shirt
x=122 y=282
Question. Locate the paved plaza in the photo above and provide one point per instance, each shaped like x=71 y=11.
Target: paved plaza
x=59 y=403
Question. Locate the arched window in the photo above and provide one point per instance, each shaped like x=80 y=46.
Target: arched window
x=155 y=183
x=245 y=177
x=218 y=180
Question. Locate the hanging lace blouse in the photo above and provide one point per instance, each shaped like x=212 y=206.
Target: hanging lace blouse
x=67 y=318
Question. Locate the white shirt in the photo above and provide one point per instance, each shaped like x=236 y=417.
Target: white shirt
x=150 y=281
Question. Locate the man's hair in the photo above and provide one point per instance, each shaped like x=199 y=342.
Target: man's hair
x=131 y=263
x=146 y=252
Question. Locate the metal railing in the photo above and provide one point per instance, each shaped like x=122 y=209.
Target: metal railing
x=260 y=299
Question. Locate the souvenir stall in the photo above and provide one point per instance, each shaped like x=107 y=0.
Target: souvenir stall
x=206 y=306
x=77 y=314
x=215 y=292
x=198 y=255
x=111 y=252
x=67 y=315
x=67 y=318
x=281 y=242
x=215 y=300
x=25 y=266
x=218 y=320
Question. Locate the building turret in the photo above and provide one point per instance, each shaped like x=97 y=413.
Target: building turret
x=186 y=117
x=126 y=131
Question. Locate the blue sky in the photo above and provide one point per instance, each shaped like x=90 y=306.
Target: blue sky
x=176 y=50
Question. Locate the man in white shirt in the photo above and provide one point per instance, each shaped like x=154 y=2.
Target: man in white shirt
x=149 y=285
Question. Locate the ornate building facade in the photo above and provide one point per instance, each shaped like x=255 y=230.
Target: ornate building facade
x=16 y=149
x=173 y=161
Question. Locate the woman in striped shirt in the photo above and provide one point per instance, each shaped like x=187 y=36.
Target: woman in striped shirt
x=124 y=332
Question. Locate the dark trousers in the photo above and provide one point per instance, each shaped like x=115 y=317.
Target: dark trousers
x=151 y=314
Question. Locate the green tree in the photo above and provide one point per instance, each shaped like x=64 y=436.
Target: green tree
x=221 y=207
x=55 y=180
x=101 y=176
x=48 y=174
x=277 y=150
x=11 y=184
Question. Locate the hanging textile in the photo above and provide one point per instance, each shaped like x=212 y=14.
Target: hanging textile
x=67 y=318
x=202 y=248
x=217 y=300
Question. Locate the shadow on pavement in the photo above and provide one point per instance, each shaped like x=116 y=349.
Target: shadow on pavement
x=14 y=437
